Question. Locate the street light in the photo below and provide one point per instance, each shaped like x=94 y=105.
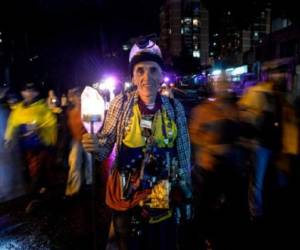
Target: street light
x=92 y=115
x=166 y=79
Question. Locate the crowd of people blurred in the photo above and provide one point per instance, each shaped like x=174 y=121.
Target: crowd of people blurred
x=245 y=150
x=30 y=128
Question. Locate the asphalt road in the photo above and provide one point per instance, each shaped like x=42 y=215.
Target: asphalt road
x=56 y=223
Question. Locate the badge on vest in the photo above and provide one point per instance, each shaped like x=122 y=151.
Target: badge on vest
x=146 y=124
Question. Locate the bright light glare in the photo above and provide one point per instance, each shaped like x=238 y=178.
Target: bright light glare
x=216 y=72
x=125 y=47
x=108 y=84
x=240 y=70
x=196 y=53
x=92 y=108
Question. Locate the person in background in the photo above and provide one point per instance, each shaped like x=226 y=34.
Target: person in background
x=32 y=124
x=11 y=181
x=217 y=176
x=52 y=100
x=64 y=101
x=12 y=100
x=262 y=107
x=80 y=162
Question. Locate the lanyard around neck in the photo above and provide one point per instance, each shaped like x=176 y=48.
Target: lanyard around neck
x=147 y=132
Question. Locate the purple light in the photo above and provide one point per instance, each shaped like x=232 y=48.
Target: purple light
x=166 y=79
x=108 y=83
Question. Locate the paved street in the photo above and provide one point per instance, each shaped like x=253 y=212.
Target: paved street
x=65 y=224
x=11 y=180
x=55 y=224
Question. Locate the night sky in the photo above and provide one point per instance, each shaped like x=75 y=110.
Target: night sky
x=120 y=20
x=71 y=35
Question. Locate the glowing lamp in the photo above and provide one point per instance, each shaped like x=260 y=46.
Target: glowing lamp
x=92 y=109
x=92 y=116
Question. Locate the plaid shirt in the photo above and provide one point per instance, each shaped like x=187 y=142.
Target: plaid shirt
x=118 y=118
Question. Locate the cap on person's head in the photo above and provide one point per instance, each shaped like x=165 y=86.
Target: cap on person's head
x=31 y=86
x=75 y=91
x=145 y=50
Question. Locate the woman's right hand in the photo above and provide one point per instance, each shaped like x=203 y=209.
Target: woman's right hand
x=90 y=143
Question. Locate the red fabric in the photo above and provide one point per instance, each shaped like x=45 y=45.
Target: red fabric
x=75 y=124
x=35 y=160
x=114 y=194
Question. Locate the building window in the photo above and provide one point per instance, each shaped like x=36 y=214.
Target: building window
x=196 y=53
x=170 y=31
x=214 y=44
x=187 y=30
x=196 y=22
x=188 y=20
x=125 y=47
x=182 y=31
x=211 y=53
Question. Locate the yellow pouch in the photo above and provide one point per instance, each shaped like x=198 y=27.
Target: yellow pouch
x=159 y=197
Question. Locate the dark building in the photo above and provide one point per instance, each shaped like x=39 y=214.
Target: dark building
x=281 y=49
x=229 y=43
x=261 y=25
x=280 y=23
x=184 y=30
x=232 y=40
x=14 y=57
x=4 y=77
x=284 y=43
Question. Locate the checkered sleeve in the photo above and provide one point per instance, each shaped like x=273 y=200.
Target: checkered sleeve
x=107 y=135
x=183 y=141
